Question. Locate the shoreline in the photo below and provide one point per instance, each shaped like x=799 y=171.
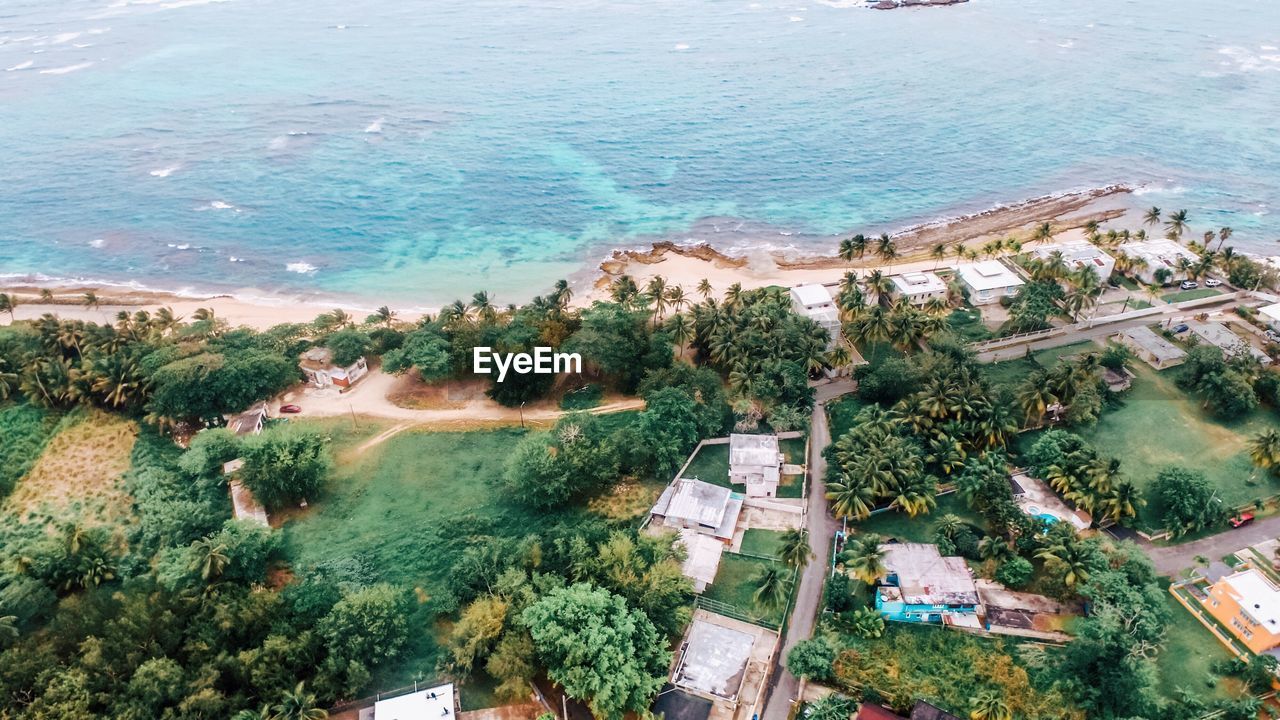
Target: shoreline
x=680 y=263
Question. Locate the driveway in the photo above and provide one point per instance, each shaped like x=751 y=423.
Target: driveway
x=822 y=528
x=1175 y=558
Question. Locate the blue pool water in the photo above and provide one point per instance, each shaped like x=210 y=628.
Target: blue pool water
x=416 y=152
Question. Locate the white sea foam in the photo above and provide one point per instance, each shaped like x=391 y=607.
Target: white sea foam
x=82 y=46
x=97 y=242
x=302 y=268
x=795 y=18
x=1268 y=47
x=218 y=205
x=278 y=143
x=1245 y=60
x=682 y=46
x=66 y=69
x=64 y=37
x=164 y=172
x=1159 y=190
x=21 y=66
x=233 y=258
x=1069 y=43
x=375 y=126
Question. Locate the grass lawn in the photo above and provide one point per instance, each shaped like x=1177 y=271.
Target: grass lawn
x=1188 y=654
x=735 y=584
x=711 y=464
x=1159 y=425
x=403 y=512
x=894 y=524
x=966 y=323
x=840 y=414
x=1126 y=282
x=877 y=352
x=1011 y=372
x=25 y=429
x=757 y=541
x=1184 y=295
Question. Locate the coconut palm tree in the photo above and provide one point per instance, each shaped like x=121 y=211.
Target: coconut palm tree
x=1151 y=217
x=657 y=289
x=853 y=247
x=297 y=704
x=262 y=713
x=1176 y=224
x=838 y=357
x=562 y=293
x=994 y=548
x=90 y=300
x=939 y=253
x=1122 y=502
x=1069 y=555
x=831 y=707
x=210 y=558
x=772 y=587
x=989 y=705
x=864 y=559
x=1042 y=233
x=733 y=296
x=704 y=288
x=864 y=622
x=385 y=315
x=681 y=328
x=1264 y=450
x=7 y=304
x=483 y=305
x=1224 y=234
x=794 y=550
x=1034 y=397
x=887 y=249
x=46 y=295
x=677 y=297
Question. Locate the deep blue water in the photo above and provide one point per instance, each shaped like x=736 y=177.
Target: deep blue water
x=415 y=152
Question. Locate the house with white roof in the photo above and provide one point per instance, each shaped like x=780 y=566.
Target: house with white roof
x=919 y=288
x=922 y=586
x=1153 y=255
x=437 y=703
x=1247 y=603
x=700 y=506
x=816 y=303
x=1220 y=336
x=1077 y=255
x=755 y=461
x=1151 y=348
x=1270 y=315
x=988 y=281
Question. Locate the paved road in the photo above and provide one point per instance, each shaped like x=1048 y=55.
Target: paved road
x=822 y=528
x=1170 y=560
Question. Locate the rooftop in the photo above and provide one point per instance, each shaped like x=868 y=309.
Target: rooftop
x=988 y=275
x=925 y=577
x=1079 y=253
x=918 y=283
x=1157 y=252
x=1220 y=335
x=871 y=711
x=1158 y=347
x=431 y=704
x=813 y=295
x=925 y=711
x=755 y=450
x=249 y=421
x=714 y=659
x=1257 y=597
x=702 y=558
x=702 y=503
x=1271 y=312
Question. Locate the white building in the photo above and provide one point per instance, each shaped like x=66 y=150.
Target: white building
x=988 y=281
x=815 y=302
x=700 y=506
x=437 y=703
x=1270 y=315
x=754 y=461
x=919 y=287
x=1222 y=337
x=318 y=367
x=1153 y=255
x=1079 y=254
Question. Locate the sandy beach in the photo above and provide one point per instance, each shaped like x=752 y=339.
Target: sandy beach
x=679 y=265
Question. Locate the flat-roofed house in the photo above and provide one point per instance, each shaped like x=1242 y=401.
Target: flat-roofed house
x=320 y=370
x=922 y=586
x=1270 y=315
x=919 y=288
x=437 y=703
x=1154 y=255
x=1220 y=336
x=700 y=506
x=1077 y=255
x=755 y=461
x=1151 y=348
x=815 y=302
x=1247 y=603
x=988 y=281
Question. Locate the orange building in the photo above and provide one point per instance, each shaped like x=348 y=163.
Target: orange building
x=1247 y=603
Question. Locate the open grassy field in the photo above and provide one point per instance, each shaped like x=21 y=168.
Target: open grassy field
x=1160 y=426
x=25 y=430
x=894 y=524
x=1188 y=655
x=757 y=541
x=966 y=323
x=403 y=511
x=711 y=464
x=1184 y=295
x=80 y=472
x=735 y=584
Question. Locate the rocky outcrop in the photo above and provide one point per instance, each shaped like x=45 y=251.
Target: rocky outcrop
x=893 y=4
x=617 y=263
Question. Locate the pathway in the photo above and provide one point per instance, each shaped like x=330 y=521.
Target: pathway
x=1174 y=558
x=822 y=528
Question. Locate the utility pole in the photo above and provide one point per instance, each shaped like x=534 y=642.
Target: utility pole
x=521 y=416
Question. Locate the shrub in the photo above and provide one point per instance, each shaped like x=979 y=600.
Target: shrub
x=1015 y=572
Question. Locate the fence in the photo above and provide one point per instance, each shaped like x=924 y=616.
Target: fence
x=369 y=701
x=723 y=608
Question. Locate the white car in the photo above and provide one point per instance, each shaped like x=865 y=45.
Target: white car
x=1189 y=285
x=1212 y=282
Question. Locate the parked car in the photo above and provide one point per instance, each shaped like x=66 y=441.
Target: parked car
x=1272 y=335
x=290 y=409
x=1241 y=520
x=1212 y=282
x=1189 y=285
x=1180 y=328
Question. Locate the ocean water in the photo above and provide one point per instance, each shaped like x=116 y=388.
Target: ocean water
x=414 y=152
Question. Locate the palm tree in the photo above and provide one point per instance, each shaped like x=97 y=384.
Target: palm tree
x=831 y=707
x=1176 y=224
x=297 y=704
x=562 y=293
x=864 y=622
x=1034 y=397
x=1264 y=450
x=385 y=315
x=681 y=328
x=46 y=295
x=623 y=289
x=989 y=705
x=677 y=297
x=1122 y=502
x=210 y=559
x=7 y=304
x=854 y=247
x=1072 y=557
x=1151 y=217
x=994 y=548
x=864 y=559
x=939 y=253
x=90 y=300
x=1224 y=234
x=704 y=288
x=657 y=289
x=262 y=713
x=8 y=629
x=1042 y=233
x=772 y=587
x=794 y=550
x=839 y=357
x=483 y=305
x=887 y=249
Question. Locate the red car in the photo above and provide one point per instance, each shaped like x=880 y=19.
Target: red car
x=1241 y=520
x=290 y=409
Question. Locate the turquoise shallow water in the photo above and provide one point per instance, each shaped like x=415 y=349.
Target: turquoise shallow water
x=415 y=152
